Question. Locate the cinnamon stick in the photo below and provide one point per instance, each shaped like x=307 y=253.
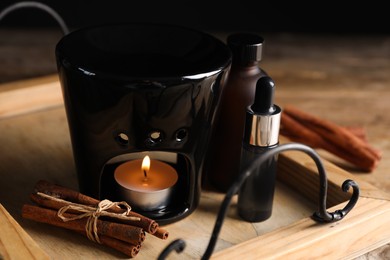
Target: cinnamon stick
x=293 y=129
x=357 y=131
x=149 y=225
x=311 y=130
x=161 y=233
x=121 y=246
x=300 y=133
x=334 y=133
x=288 y=131
x=64 y=193
x=126 y=233
x=48 y=201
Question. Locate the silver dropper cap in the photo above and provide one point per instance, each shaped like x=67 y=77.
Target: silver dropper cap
x=263 y=130
x=263 y=116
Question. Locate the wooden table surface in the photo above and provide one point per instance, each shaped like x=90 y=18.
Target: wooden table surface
x=343 y=78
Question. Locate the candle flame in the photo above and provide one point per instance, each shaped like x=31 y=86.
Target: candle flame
x=145 y=163
x=145 y=167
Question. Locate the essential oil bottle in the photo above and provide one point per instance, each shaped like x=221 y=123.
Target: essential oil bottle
x=237 y=95
x=255 y=197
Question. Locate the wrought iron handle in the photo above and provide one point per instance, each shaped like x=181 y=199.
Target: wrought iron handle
x=178 y=245
x=37 y=5
x=322 y=215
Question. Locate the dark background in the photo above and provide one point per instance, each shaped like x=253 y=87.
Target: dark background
x=230 y=15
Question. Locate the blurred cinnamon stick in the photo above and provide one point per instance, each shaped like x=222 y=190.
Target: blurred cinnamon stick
x=314 y=131
x=357 y=131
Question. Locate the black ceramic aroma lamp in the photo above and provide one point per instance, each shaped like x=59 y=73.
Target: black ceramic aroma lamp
x=137 y=90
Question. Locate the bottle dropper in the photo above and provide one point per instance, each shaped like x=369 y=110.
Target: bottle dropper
x=261 y=133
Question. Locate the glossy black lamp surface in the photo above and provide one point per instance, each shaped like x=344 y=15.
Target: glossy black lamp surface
x=132 y=90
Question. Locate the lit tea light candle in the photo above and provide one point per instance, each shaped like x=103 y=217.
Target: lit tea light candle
x=146 y=184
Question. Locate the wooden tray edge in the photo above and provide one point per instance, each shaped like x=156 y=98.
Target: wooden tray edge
x=364 y=229
x=26 y=96
x=13 y=236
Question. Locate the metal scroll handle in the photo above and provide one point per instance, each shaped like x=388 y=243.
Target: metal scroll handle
x=322 y=215
x=37 y=5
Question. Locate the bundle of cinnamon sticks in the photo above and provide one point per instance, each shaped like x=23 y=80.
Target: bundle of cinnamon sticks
x=117 y=227
x=349 y=144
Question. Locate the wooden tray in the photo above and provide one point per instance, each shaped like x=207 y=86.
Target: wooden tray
x=36 y=145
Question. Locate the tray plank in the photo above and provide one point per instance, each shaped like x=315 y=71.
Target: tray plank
x=15 y=243
x=33 y=124
x=26 y=96
x=365 y=228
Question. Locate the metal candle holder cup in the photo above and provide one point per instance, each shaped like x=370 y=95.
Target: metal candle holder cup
x=154 y=189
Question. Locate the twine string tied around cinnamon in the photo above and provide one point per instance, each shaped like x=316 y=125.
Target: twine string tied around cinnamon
x=92 y=213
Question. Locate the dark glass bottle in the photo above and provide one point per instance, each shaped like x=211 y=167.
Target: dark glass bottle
x=237 y=95
x=261 y=133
